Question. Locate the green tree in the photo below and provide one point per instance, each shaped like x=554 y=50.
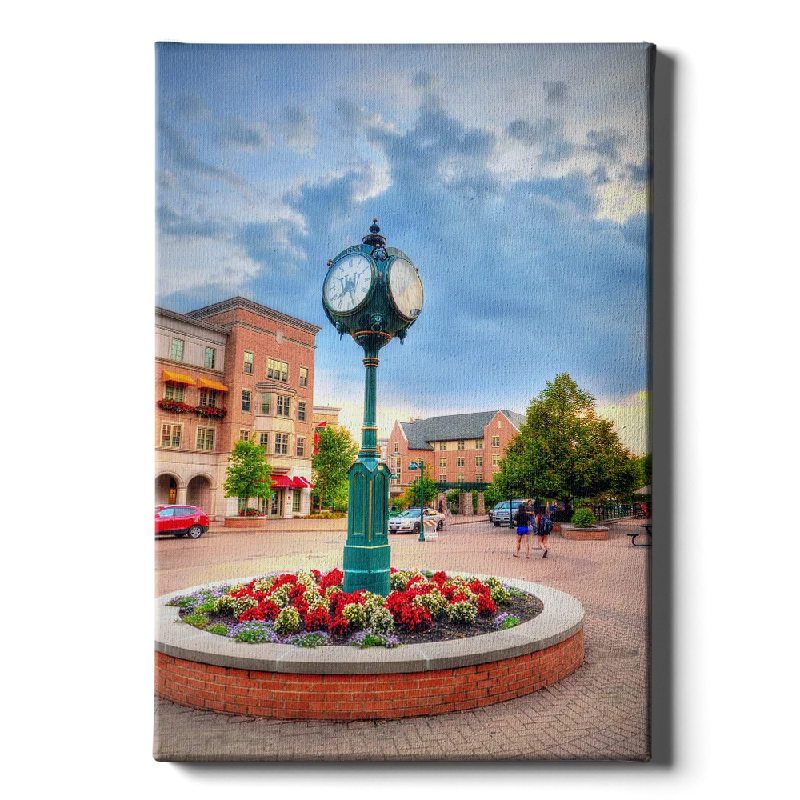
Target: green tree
x=248 y=472
x=564 y=450
x=412 y=494
x=336 y=453
x=646 y=465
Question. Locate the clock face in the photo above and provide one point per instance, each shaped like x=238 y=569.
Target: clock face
x=406 y=288
x=348 y=283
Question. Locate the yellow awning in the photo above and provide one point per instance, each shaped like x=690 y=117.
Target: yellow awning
x=177 y=377
x=205 y=383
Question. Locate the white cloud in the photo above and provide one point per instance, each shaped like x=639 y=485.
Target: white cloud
x=189 y=262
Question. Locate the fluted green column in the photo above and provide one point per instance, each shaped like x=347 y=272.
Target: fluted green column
x=367 y=552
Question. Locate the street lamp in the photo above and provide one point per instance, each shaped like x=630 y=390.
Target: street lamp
x=420 y=465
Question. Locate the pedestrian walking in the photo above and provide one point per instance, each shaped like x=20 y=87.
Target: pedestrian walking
x=522 y=521
x=544 y=525
x=530 y=507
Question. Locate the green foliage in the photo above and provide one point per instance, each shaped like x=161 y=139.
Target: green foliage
x=196 y=620
x=313 y=639
x=254 y=632
x=565 y=450
x=412 y=494
x=288 y=620
x=462 y=612
x=509 y=622
x=220 y=630
x=492 y=496
x=336 y=453
x=500 y=594
x=381 y=621
x=646 y=467
x=356 y=616
x=228 y=606
x=434 y=602
x=207 y=607
x=583 y=518
x=248 y=472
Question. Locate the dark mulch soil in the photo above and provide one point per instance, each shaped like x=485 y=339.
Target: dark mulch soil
x=523 y=606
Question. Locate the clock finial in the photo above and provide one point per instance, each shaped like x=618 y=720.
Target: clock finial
x=374 y=236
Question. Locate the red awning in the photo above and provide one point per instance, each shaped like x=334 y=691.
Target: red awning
x=281 y=481
x=302 y=483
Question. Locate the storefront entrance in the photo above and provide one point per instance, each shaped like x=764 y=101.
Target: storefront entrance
x=272 y=506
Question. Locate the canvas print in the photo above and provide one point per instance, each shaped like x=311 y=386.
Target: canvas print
x=402 y=460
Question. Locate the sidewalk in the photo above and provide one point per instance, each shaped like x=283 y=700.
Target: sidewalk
x=598 y=712
x=305 y=525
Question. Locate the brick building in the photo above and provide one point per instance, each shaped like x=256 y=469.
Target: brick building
x=459 y=448
x=233 y=370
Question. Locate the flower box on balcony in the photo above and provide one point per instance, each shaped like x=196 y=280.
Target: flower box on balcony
x=210 y=411
x=174 y=406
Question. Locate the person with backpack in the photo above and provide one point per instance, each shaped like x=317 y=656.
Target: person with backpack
x=544 y=525
x=522 y=521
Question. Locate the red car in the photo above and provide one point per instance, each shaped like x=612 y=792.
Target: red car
x=181 y=521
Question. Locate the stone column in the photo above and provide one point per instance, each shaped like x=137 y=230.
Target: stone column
x=180 y=500
x=481 y=508
x=465 y=503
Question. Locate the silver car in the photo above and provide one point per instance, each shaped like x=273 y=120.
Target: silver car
x=499 y=515
x=408 y=521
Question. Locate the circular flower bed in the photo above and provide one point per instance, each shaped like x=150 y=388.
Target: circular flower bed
x=309 y=609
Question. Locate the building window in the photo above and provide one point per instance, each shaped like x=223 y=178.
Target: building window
x=277 y=370
x=281 y=444
x=495 y=441
x=205 y=438
x=461 y=477
x=170 y=435
x=174 y=391
x=443 y=445
x=244 y=435
x=443 y=463
x=301 y=412
x=176 y=350
x=460 y=462
x=208 y=397
x=263 y=440
x=478 y=461
x=211 y=357
x=398 y=467
x=397 y=447
x=283 y=406
x=460 y=444
x=495 y=460
x=303 y=376
x=479 y=444
x=296 y=501
x=248 y=362
x=246 y=400
x=478 y=477
x=265 y=404
x=442 y=477
x=301 y=447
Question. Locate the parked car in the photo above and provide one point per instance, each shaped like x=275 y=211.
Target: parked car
x=188 y=521
x=408 y=521
x=499 y=515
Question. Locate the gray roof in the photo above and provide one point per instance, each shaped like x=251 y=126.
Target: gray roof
x=452 y=427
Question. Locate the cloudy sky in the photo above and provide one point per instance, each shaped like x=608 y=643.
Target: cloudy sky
x=513 y=176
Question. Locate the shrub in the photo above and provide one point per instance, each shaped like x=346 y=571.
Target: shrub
x=220 y=630
x=381 y=621
x=434 y=602
x=288 y=621
x=583 y=518
x=229 y=606
x=207 y=606
x=500 y=594
x=356 y=616
x=462 y=612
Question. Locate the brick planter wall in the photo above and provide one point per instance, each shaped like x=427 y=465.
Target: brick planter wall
x=259 y=693
x=584 y=534
x=244 y=522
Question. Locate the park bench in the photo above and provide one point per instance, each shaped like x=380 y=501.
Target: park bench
x=649 y=528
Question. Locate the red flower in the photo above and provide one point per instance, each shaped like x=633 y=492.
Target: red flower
x=333 y=578
x=318 y=619
x=486 y=605
x=340 y=626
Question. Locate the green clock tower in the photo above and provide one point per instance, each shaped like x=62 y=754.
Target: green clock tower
x=373 y=293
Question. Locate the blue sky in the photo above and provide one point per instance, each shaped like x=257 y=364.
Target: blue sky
x=514 y=177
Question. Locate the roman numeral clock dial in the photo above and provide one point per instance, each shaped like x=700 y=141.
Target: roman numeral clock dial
x=348 y=283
